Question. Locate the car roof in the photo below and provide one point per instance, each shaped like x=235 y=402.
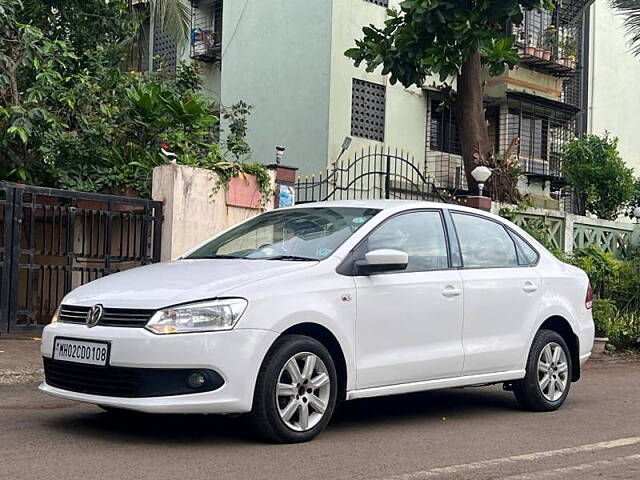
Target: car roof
x=389 y=205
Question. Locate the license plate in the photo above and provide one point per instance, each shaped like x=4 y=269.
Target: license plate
x=81 y=351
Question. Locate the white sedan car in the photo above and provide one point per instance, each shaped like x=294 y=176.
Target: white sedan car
x=295 y=309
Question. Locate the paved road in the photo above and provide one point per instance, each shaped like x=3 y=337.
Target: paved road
x=473 y=433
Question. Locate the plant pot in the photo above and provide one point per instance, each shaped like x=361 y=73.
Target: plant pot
x=539 y=52
x=244 y=192
x=573 y=64
x=531 y=51
x=565 y=62
x=599 y=345
x=546 y=55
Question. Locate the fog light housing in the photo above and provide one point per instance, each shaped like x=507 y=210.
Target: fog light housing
x=196 y=380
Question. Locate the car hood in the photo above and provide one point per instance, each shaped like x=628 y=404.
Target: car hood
x=164 y=284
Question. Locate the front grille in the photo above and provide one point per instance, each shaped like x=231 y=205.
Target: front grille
x=113 y=317
x=124 y=381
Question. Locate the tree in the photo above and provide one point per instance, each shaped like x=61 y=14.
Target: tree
x=173 y=17
x=631 y=10
x=603 y=183
x=72 y=117
x=451 y=39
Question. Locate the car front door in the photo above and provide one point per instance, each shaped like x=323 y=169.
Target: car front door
x=501 y=294
x=409 y=322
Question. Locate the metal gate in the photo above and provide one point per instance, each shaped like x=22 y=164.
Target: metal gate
x=376 y=173
x=52 y=241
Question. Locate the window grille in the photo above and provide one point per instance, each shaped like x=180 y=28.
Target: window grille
x=382 y=3
x=367 y=110
x=166 y=48
x=443 y=131
x=543 y=127
x=206 y=30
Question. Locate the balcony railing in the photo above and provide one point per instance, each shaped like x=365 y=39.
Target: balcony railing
x=548 y=44
x=206 y=30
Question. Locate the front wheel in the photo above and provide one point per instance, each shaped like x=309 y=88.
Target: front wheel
x=295 y=391
x=548 y=380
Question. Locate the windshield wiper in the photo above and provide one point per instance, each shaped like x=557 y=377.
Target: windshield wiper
x=291 y=258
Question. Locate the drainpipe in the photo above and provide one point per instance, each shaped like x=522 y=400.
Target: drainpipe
x=590 y=20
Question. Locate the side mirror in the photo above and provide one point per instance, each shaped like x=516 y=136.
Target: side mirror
x=378 y=261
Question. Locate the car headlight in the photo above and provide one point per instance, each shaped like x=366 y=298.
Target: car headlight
x=56 y=316
x=209 y=316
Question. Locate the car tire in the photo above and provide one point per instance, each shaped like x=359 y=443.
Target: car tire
x=292 y=408
x=548 y=378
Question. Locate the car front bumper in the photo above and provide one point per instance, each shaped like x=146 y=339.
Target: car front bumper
x=236 y=355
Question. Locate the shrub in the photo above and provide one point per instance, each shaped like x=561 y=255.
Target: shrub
x=604 y=313
x=77 y=120
x=605 y=186
x=624 y=331
x=599 y=265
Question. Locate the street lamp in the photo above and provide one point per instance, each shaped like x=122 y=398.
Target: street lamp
x=636 y=213
x=481 y=175
x=279 y=153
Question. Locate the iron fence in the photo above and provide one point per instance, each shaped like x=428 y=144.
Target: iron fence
x=52 y=241
x=374 y=173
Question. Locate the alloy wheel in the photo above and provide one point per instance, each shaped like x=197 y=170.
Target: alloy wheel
x=553 y=372
x=302 y=391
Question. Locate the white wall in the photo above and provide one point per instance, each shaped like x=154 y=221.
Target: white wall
x=276 y=57
x=614 y=98
x=405 y=113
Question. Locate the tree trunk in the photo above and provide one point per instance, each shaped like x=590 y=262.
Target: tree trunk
x=472 y=123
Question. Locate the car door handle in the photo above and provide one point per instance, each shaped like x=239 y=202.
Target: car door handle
x=530 y=287
x=451 y=291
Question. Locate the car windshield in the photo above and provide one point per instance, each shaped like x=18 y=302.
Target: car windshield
x=293 y=234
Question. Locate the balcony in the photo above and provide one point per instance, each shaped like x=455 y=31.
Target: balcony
x=206 y=30
x=549 y=42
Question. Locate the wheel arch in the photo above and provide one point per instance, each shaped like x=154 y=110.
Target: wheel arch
x=561 y=325
x=325 y=337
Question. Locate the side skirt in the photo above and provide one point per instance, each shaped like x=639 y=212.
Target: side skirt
x=466 y=381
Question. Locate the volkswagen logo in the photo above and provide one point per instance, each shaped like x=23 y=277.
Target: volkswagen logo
x=94 y=315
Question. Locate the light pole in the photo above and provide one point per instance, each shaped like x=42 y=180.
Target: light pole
x=481 y=175
x=279 y=153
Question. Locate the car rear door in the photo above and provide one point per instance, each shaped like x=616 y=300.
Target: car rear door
x=501 y=294
x=409 y=323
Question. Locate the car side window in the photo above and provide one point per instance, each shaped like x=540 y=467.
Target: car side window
x=484 y=243
x=527 y=256
x=419 y=234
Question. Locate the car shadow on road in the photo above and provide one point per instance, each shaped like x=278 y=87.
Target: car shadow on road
x=425 y=407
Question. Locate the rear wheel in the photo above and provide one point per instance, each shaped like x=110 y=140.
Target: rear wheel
x=548 y=380
x=295 y=392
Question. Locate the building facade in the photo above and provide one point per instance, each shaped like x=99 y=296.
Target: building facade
x=287 y=60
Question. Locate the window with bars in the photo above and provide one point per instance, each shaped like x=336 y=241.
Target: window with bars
x=206 y=30
x=382 y=3
x=367 y=110
x=443 y=129
x=533 y=132
x=542 y=128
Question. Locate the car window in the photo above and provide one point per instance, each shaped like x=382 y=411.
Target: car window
x=419 y=234
x=484 y=243
x=526 y=254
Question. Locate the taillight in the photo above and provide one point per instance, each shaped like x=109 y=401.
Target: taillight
x=588 y=301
